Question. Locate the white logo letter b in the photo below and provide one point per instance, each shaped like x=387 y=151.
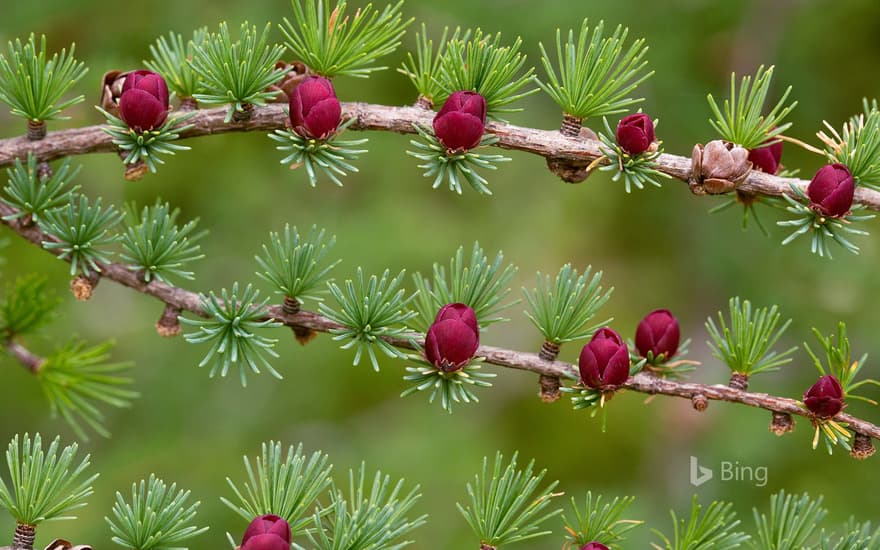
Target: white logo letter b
x=699 y=474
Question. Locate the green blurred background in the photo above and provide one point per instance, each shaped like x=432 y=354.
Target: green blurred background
x=658 y=248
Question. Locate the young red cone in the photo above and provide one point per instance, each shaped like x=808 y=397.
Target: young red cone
x=658 y=333
x=458 y=311
x=635 y=133
x=268 y=532
x=825 y=397
x=315 y=111
x=831 y=190
x=767 y=158
x=594 y=546
x=453 y=338
x=604 y=361
x=143 y=104
x=461 y=121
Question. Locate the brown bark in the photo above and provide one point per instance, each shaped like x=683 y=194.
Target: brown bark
x=303 y=321
x=549 y=144
x=23 y=538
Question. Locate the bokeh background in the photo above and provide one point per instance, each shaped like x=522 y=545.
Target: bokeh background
x=658 y=248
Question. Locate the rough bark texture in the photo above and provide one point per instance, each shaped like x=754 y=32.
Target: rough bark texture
x=546 y=143
x=549 y=144
x=308 y=323
x=23 y=538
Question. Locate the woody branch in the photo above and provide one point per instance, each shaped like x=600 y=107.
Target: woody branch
x=185 y=300
x=545 y=143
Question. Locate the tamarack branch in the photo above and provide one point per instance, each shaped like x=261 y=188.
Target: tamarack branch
x=546 y=143
x=177 y=298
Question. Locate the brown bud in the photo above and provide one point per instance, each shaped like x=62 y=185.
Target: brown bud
x=294 y=73
x=111 y=91
x=782 y=423
x=862 y=447
x=290 y=305
x=83 y=286
x=134 y=171
x=303 y=335
x=549 y=388
x=549 y=351
x=168 y=324
x=424 y=102
x=571 y=125
x=718 y=167
x=700 y=402
x=739 y=381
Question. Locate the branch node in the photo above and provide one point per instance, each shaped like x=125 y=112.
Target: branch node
x=739 y=381
x=303 y=335
x=168 y=325
x=549 y=351
x=424 y=103
x=36 y=129
x=700 y=402
x=549 y=388
x=782 y=423
x=569 y=171
x=188 y=104
x=134 y=171
x=24 y=536
x=571 y=126
x=245 y=114
x=290 y=305
x=83 y=286
x=862 y=447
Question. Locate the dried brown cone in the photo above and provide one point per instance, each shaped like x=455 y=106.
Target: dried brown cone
x=739 y=381
x=168 y=325
x=781 y=423
x=862 y=447
x=718 y=167
x=61 y=544
x=700 y=402
x=83 y=286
